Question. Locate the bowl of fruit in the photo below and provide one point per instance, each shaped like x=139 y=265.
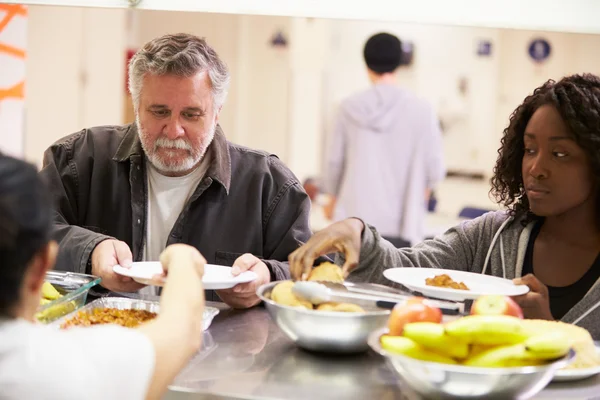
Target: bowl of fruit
x=489 y=354
x=63 y=293
x=328 y=327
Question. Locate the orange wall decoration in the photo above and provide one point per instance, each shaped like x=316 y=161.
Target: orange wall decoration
x=7 y=13
x=12 y=79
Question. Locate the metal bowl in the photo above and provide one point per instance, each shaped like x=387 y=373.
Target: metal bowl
x=324 y=331
x=443 y=381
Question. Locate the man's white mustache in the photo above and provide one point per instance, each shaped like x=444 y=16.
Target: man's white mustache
x=172 y=144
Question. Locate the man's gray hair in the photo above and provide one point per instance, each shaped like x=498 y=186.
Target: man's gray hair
x=181 y=55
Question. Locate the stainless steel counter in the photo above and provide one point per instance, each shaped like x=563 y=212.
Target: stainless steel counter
x=246 y=356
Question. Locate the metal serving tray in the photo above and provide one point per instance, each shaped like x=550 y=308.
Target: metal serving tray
x=123 y=303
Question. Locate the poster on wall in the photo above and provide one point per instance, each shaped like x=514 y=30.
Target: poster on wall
x=13 y=38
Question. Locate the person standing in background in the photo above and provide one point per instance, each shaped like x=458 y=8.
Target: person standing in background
x=386 y=152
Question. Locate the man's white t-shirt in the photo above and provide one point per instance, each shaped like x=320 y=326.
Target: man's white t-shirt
x=167 y=196
x=44 y=363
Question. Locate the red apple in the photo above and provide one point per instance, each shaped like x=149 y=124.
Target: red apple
x=496 y=305
x=415 y=300
x=413 y=311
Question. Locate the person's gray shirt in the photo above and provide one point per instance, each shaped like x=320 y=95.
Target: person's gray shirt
x=494 y=243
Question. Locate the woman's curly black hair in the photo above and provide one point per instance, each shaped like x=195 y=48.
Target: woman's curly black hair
x=577 y=99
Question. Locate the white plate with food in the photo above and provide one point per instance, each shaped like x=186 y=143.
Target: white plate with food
x=216 y=277
x=453 y=285
x=575 y=372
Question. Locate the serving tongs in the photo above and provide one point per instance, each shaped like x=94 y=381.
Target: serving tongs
x=324 y=292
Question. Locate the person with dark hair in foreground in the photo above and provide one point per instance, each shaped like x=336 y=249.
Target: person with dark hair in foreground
x=547 y=176
x=101 y=362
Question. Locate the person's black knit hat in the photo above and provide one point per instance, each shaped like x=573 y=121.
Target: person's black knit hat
x=383 y=53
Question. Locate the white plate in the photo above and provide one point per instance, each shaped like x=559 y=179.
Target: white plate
x=567 y=375
x=215 y=276
x=478 y=284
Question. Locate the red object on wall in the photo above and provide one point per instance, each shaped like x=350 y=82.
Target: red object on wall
x=128 y=56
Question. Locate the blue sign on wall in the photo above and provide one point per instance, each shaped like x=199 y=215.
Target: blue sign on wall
x=539 y=50
x=484 y=48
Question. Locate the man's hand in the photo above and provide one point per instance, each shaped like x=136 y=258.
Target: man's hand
x=105 y=256
x=244 y=295
x=343 y=237
x=535 y=303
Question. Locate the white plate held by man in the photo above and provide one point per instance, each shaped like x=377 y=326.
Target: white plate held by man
x=215 y=277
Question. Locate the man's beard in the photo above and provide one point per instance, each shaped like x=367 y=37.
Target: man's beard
x=184 y=165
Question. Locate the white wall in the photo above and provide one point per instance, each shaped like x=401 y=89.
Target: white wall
x=103 y=57
x=53 y=100
x=74 y=73
x=309 y=49
x=263 y=86
x=571 y=53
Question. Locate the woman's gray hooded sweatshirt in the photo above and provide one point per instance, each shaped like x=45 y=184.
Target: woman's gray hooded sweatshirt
x=493 y=244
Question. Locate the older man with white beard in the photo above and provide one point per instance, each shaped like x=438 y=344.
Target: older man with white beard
x=123 y=193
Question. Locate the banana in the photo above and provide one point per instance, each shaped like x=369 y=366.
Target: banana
x=44 y=301
x=49 y=292
x=405 y=346
x=476 y=349
x=534 y=351
x=547 y=346
x=523 y=363
x=56 y=311
x=495 y=330
x=432 y=336
x=500 y=357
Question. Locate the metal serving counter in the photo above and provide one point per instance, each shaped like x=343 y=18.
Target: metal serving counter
x=246 y=356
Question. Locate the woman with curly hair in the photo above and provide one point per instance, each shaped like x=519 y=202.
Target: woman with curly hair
x=547 y=177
